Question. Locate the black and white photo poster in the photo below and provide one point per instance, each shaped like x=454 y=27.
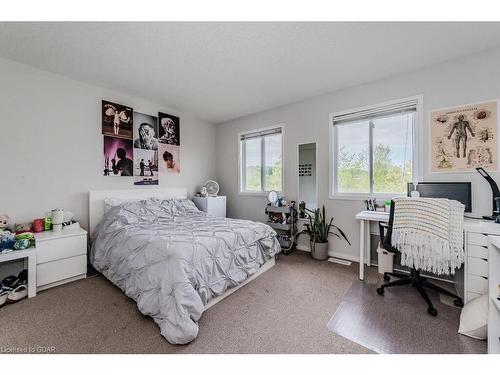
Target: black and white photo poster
x=169 y=129
x=145 y=131
x=145 y=167
x=145 y=149
x=169 y=143
x=117 y=120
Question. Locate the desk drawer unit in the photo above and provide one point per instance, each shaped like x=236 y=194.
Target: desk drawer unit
x=477 y=239
x=478 y=284
x=477 y=265
x=478 y=251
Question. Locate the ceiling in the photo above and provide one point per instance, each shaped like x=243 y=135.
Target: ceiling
x=221 y=71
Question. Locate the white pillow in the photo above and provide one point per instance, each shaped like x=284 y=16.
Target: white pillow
x=110 y=202
x=474 y=318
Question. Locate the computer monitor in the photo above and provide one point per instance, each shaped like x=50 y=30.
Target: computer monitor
x=459 y=191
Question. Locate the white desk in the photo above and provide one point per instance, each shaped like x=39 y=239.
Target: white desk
x=475 y=242
x=31 y=256
x=365 y=217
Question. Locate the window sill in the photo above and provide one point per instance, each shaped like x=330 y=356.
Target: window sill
x=258 y=193
x=363 y=197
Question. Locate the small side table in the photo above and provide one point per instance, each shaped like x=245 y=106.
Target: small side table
x=29 y=254
x=215 y=206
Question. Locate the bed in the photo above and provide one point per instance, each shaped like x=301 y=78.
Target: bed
x=172 y=259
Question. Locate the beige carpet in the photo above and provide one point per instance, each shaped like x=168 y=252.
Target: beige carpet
x=285 y=310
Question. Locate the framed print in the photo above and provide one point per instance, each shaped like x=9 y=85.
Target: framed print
x=169 y=158
x=464 y=138
x=169 y=129
x=117 y=120
x=118 y=154
x=145 y=167
x=145 y=131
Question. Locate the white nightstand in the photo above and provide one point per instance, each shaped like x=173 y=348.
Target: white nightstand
x=61 y=257
x=215 y=206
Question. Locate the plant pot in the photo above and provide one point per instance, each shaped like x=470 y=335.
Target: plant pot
x=319 y=250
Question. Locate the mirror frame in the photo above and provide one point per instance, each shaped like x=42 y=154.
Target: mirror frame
x=316 y=171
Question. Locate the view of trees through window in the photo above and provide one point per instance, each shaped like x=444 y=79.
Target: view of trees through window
x=391 y=145
x=353 y=174
x=273 y=177
x=263 y=166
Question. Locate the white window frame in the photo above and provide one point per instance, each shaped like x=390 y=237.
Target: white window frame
x=417 y=152
x=240 y=161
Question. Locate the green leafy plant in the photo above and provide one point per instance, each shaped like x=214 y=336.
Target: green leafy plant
x=318 y=228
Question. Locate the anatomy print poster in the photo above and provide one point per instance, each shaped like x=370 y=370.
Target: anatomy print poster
x=464 y=138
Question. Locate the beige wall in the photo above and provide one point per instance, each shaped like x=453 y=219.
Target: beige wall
x=464 y=81
x=51 y=147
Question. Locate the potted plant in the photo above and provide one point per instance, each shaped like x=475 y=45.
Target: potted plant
x=318 y=230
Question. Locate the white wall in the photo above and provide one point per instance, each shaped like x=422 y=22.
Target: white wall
x=51 y=147
x=467 y=80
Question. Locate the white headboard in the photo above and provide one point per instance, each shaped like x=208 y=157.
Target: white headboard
x=96 y=199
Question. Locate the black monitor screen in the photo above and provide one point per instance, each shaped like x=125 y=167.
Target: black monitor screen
x=459 y=191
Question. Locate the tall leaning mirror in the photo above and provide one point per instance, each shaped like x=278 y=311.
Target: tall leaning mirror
x=307 y=178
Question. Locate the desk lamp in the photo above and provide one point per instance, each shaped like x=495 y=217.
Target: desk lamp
x=496 y=194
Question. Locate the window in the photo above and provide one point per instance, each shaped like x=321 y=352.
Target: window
x=373 y=150
x=261 y=161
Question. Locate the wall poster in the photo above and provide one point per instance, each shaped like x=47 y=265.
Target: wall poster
x=145 y=149
x=117 y=120
x=118 y=157
x=464 y=138
x=169 y=143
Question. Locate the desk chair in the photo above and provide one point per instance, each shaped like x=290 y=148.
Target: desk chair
x=414 y=278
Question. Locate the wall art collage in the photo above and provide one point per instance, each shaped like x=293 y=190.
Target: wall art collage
x=139 y=145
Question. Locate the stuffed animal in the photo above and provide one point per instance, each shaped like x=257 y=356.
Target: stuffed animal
x=7 y=240
x=24 y=240
x=23 y=227
x=4 y=222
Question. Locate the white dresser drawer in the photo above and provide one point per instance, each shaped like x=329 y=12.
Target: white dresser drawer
x=51 y=272
x=477 y=239
x=477 y=251
x=477 y=284
x=472 y=295
x=477 y=266
x=47 y=251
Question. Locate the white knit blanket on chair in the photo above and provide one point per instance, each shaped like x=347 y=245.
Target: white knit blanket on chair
x=428 y=232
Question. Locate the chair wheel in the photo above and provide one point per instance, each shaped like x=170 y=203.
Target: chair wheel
x=432 y=311
x=380 y=291
x=386 y=277
x=458 y=302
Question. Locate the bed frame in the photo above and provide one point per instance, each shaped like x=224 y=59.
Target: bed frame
x=96 y=212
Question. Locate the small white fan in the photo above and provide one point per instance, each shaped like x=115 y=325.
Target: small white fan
x=212 y=188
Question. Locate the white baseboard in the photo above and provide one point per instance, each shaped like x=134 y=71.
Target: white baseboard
x=303 y=248
x=340 y=261
x=352 y=258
